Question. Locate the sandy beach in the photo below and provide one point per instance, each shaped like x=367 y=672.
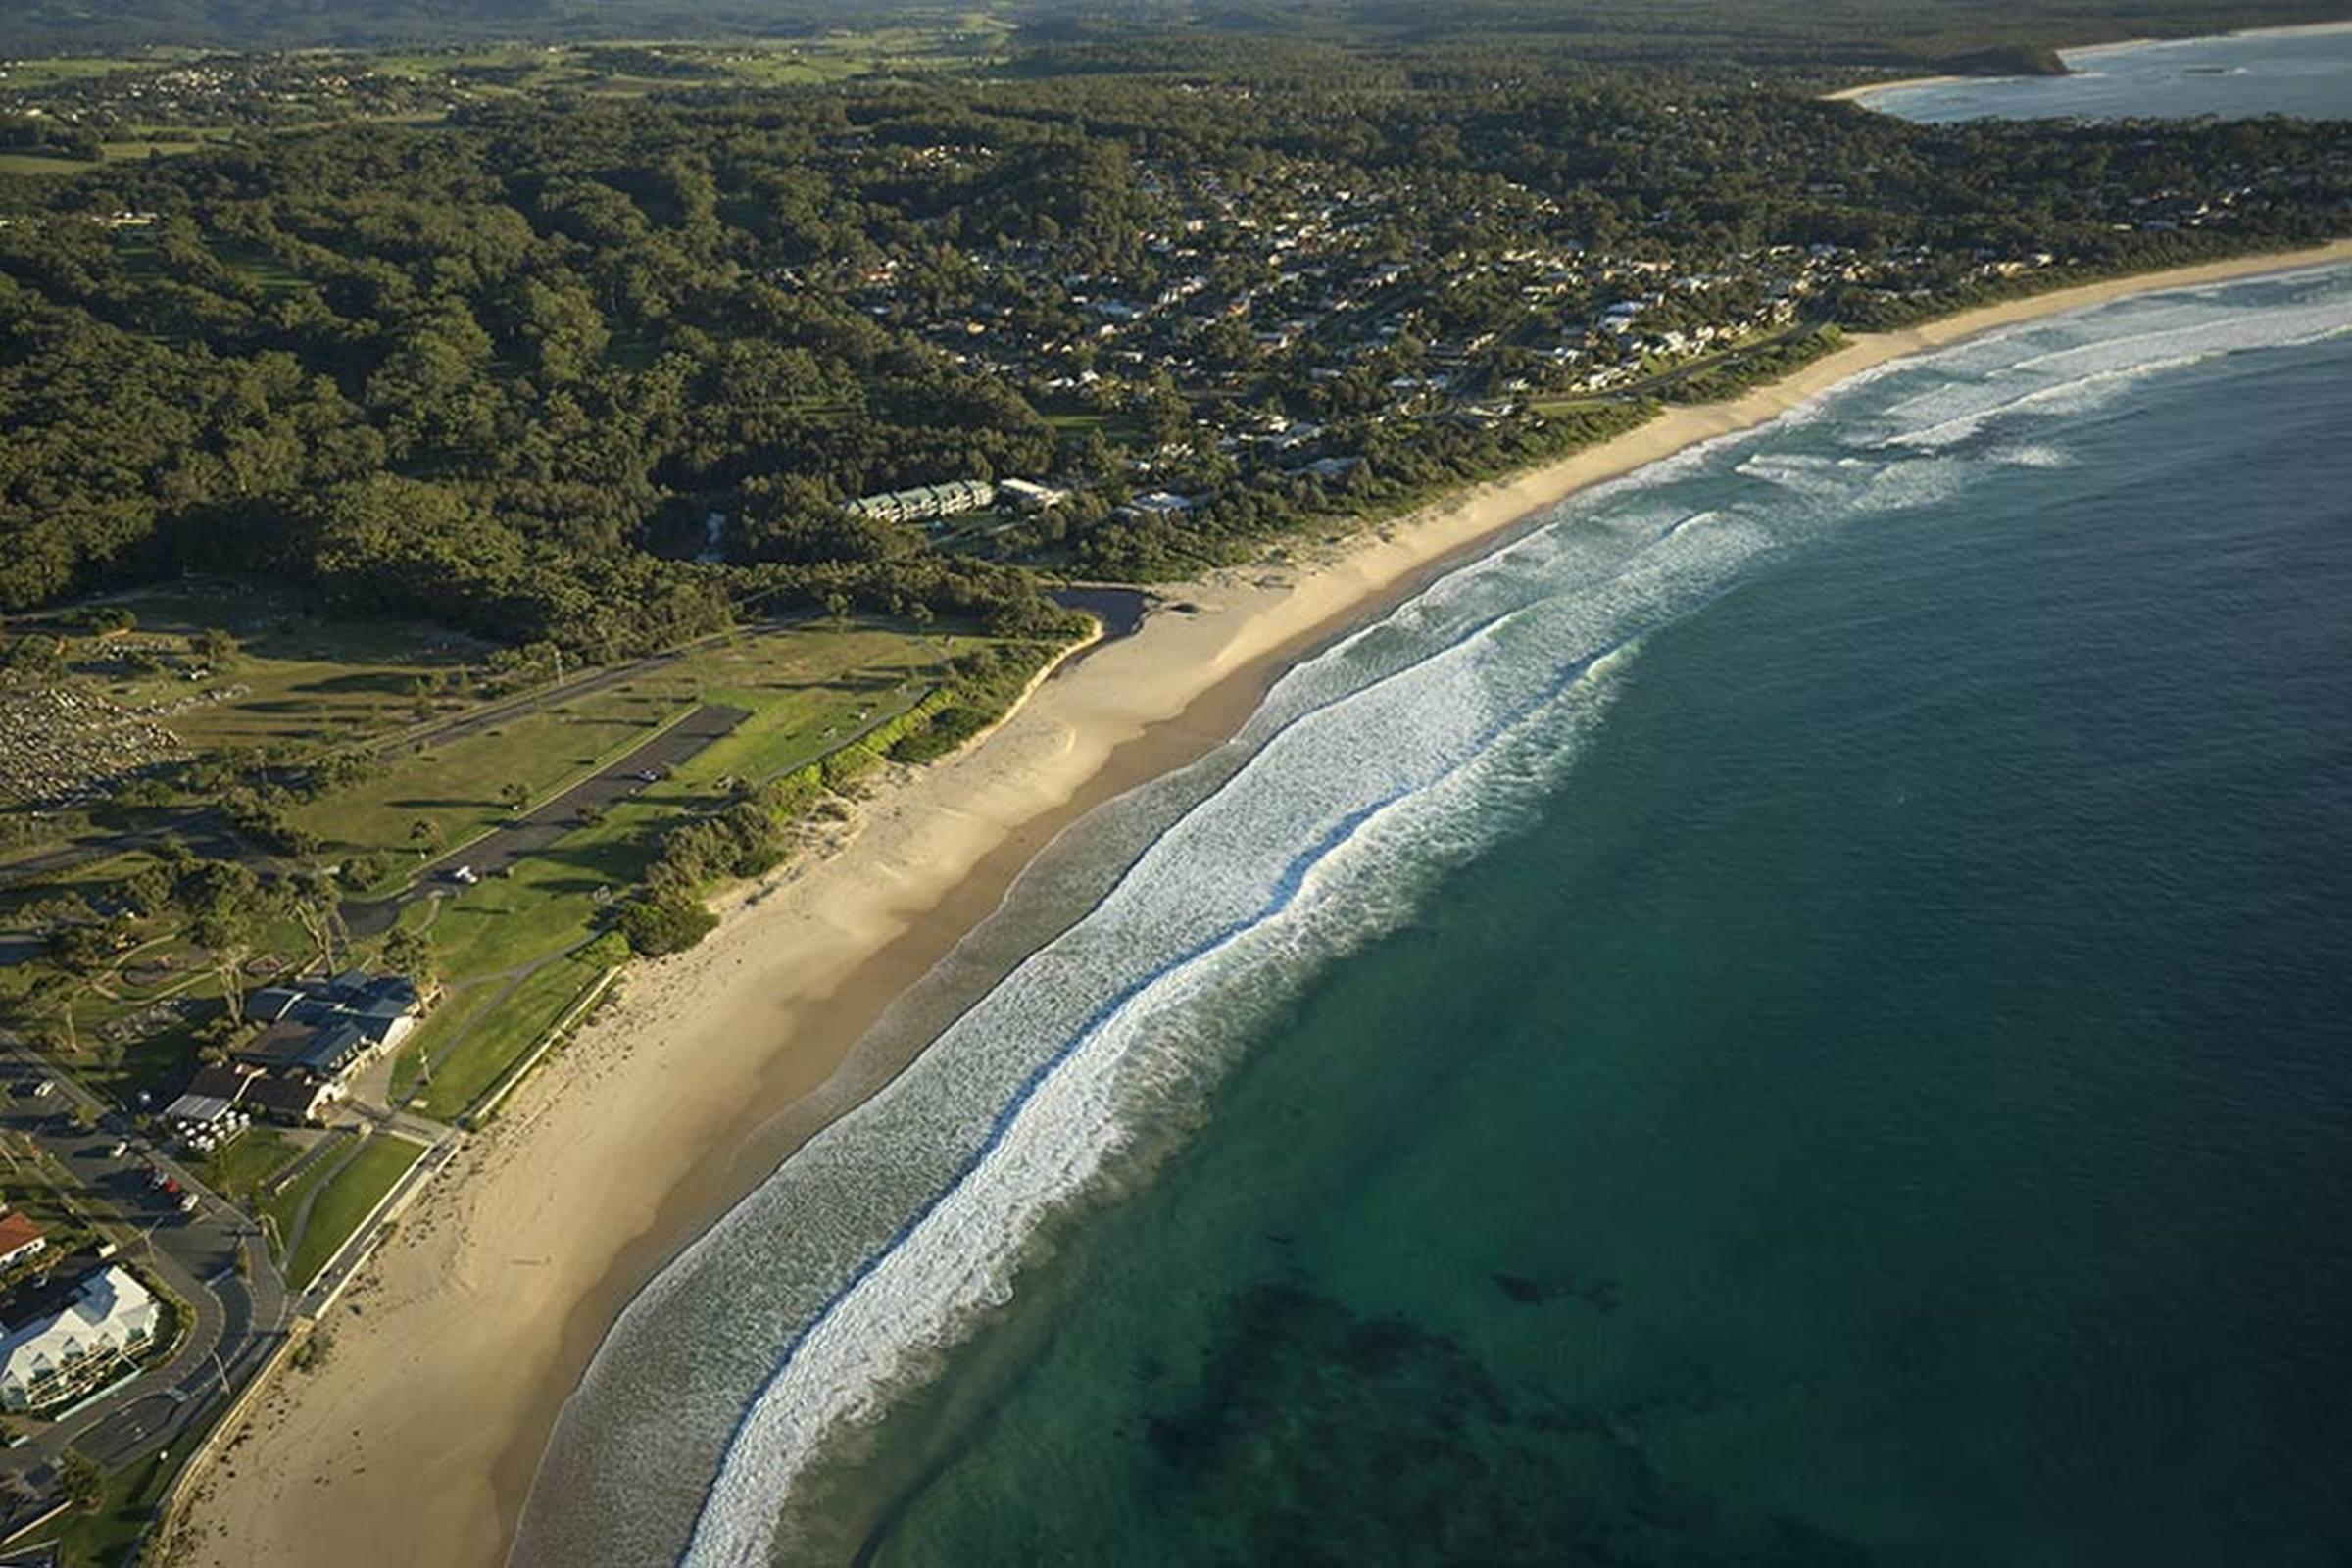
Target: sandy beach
x=417 y=1441
x=1863 y=92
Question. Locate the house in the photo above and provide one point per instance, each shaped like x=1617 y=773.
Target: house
x=59 y=1355
x=19 y=1239
x=1160 y=504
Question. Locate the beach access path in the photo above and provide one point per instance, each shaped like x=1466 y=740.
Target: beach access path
x=458 y=1343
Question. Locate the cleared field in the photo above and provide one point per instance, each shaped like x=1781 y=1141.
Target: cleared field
x=166 y=143
x=297 y=679
x=509 y=948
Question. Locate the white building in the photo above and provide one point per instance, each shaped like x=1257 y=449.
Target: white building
x=67 y=1354
x=1030 y=496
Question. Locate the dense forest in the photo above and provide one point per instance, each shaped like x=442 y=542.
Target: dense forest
x=504 y=370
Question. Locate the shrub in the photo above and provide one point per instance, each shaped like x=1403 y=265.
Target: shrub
x=669 y=920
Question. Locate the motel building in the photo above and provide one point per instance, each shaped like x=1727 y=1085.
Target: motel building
x=57 y=1357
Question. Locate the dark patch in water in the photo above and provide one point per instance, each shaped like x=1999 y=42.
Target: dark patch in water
x=1602 y=1295
x=1317 y=1436
x=1520 y=1288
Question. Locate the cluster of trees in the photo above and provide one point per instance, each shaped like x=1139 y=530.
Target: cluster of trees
x=498 y=371
x=225 y=907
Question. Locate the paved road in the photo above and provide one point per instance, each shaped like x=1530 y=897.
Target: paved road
x=537 y=830
x=237 y=1318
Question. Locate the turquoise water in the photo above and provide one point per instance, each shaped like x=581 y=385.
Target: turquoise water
x=2305 y=72
x=1794 y=1015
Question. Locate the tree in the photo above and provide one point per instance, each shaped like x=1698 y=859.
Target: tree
x=425 y=834
x=409 y=952
x=80 y=1479
x=318 y=905
x=227 y=907
x=513 y=796
x=664 y=922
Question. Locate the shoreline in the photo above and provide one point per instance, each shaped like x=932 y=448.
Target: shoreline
x=1863 y=92
x=420 y=1438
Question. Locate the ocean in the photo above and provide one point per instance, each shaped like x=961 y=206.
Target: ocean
x=2301 y=72
x=1796 y=1014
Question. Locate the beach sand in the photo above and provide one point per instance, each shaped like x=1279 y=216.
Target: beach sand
x=416 y=1442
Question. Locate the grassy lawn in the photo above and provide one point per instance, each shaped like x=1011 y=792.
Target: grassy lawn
x=455 y=785
x=808 y=691
x=305 y=680
x=43 y=164
x=285 y=1207
x=243 y=1167
x=346 y=1199
x=101 y=1537
x=130 y=149
x=804 y=690
x=502 y=1036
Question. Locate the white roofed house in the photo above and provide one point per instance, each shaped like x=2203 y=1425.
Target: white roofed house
x=59 y=1355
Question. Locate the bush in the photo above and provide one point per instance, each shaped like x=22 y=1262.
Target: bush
x=668 y=921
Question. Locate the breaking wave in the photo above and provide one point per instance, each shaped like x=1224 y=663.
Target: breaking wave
x=1368 y=772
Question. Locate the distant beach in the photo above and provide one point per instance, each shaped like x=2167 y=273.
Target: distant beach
x=2229 y=75
x=419 y=1440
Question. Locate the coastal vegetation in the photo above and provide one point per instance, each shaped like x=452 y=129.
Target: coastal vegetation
x=599 y=377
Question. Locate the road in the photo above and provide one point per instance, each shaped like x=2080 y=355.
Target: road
x=535 y=830
x=237 y=1318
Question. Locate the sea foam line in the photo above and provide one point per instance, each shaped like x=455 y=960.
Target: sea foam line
x=737 y=1525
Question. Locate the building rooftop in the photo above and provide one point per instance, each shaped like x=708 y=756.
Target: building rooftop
x=16 y=1232
x=326 y=1027
x=111 y=1314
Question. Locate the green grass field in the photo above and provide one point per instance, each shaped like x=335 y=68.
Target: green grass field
x=347 y=1194
x=242 y=1169
x=308 y=681
x=504 y=1035
x=808 y=691
x=455 y=786
x=102 y=1536
x=158 y=141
